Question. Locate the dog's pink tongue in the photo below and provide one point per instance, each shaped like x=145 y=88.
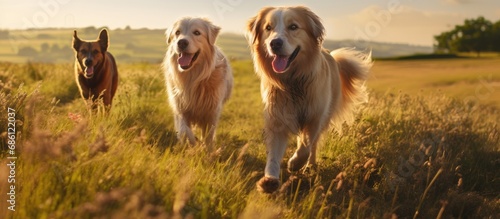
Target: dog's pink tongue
x=280 y=63
x=89 y=70
x=185 y=59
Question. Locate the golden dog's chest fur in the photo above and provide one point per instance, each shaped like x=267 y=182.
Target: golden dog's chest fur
x=304 y=97
x=198 y=101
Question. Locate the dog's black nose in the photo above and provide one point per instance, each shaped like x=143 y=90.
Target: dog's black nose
x=276 y=44
x=88 y=62
x=182 y=44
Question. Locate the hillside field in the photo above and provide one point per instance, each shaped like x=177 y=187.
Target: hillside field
x=147 y=45
x=425 y=145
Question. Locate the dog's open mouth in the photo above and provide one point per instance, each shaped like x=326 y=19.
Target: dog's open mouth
x=89 y=71
x=281 y=63
x=186 y=60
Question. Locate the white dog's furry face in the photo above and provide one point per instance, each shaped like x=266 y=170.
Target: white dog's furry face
x=287 y=34
x=190 y=37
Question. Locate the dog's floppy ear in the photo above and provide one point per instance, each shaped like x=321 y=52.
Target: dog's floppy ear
x=76 y=41
x=168 y=35
x=169 y=32
x=254 y=25
x=252 y=30
x=213 y=32
x=317 y=28
x=103 y=40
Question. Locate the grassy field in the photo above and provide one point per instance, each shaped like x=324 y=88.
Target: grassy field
x=467 y=79
x=426 y=145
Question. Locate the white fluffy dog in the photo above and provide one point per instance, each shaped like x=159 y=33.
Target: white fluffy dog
x=198 y=77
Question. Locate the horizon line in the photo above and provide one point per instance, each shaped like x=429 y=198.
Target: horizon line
x=222 y=32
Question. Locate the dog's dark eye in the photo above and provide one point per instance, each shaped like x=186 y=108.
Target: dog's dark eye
x=293 y=27
x=83 y=51
x=268 y=27
x=177 y=32
x=197 y=33
x=95 y=51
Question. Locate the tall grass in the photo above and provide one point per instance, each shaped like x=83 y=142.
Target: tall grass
x=128 y=164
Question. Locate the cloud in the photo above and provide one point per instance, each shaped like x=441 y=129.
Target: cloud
x=458 y=1
x=405 y=25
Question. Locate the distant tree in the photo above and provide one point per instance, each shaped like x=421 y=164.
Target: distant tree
x=495 y=36
x=55 y=48
x=44 y=36
x=127 y=28
x=66 y=51
x=89 y=30
x=27 y=51
x=475 y=35
x=4 y=34
x=45 y=48
x=444 y=42
x=62 y=52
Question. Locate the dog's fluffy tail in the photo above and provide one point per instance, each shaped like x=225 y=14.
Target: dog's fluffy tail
x=354 y=67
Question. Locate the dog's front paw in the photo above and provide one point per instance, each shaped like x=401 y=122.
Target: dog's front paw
x=298 y=160
x=296 y=164
x=268 y=184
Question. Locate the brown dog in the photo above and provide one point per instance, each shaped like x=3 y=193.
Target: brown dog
x=95 y=69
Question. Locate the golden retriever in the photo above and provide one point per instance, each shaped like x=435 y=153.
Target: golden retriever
x=198 y=77
x=304 y=87
x=95 y=69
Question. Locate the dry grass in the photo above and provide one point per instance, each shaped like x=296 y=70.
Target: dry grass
x=405 y=154
x=458 y=78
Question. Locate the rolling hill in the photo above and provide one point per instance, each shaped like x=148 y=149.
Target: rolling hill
x=146 y=45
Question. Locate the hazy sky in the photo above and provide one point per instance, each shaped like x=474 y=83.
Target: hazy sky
x=402 y=21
